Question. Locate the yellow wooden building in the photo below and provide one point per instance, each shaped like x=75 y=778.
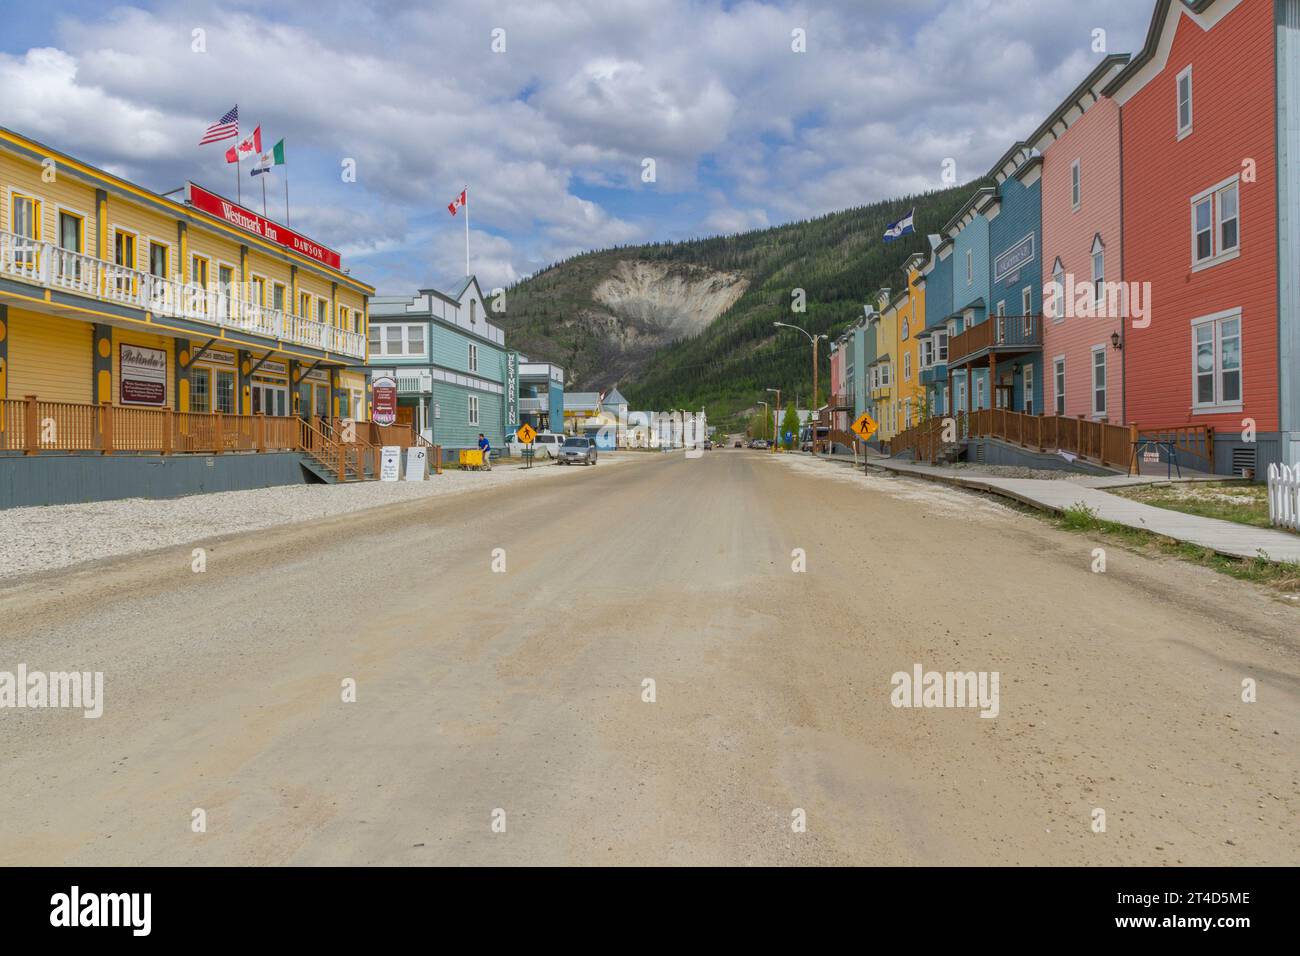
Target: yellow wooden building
x=909 y=396
x=884 y=370
x=113 y=294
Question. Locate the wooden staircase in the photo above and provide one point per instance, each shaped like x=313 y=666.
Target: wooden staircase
x=335 y=462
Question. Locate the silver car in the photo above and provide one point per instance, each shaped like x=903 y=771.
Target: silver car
x=577 y=449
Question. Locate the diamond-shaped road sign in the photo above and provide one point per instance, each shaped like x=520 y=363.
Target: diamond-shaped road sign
x=864 y=427
x=526 y=433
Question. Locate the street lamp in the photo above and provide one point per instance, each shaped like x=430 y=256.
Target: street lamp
x=767 y=413
x=813 y=339
x=776 y=420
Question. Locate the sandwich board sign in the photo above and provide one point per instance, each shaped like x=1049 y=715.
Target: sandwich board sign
x=417 y=463
x=864 y=427
x=390 y=462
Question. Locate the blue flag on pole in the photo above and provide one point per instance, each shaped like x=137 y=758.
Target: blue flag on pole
x=903 y=227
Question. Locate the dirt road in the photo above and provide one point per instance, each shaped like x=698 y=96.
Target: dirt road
x=522 y=691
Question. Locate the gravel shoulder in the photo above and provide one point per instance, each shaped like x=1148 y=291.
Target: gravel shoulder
x=45 y=539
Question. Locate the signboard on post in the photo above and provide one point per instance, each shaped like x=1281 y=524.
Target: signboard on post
x=143 y=376
x=864 y=427
x=383 y=400
x=512 y=390
x=526 y=434
x=417 y=463
x=390 y=463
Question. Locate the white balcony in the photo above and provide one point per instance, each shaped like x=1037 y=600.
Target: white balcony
x=46 y=265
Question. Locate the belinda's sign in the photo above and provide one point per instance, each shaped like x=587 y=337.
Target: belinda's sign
x=249 y=221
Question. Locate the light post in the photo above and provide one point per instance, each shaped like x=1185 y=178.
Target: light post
x=776 y=421
x=813 y=339
x=767 y=412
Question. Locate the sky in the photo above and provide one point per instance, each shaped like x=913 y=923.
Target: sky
x=577 y=125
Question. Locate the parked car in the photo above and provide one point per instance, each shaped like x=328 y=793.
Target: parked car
x=578 y=449
x=760 y=443
x=740 y=444
x=708 y=444
x=547 y=444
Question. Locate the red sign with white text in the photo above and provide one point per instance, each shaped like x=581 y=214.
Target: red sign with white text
x=249 y=221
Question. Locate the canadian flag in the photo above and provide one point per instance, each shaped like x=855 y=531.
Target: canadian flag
x=458 y=201
x=252 y=146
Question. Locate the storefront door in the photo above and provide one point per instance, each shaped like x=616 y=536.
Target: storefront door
x=270 y=399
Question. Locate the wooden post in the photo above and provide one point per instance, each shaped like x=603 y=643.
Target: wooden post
x=341 y=450
x=437 y=459
x=106 y=426
x=260 y=433
x=218 y=433
x=31 y=426
x=1132 y=444
x=167 y=431
x=1209 y=446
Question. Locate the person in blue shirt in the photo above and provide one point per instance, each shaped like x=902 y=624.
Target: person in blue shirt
x=486 y=448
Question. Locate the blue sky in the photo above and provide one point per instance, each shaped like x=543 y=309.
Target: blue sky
x=551 y=133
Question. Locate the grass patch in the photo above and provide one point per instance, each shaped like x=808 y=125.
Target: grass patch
x=1278 y=575
x=1240 y=503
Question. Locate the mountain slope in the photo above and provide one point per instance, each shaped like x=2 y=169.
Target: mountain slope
x=689 y=324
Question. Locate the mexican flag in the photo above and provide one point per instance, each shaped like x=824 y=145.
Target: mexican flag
x=266 y=160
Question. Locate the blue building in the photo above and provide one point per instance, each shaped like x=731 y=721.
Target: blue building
x=936 y=280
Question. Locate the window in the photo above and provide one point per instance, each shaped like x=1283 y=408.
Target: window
x=927 y=353
x=393 y=340
x=906 y=330
x=415 y=339
x=226 y=393
x=277 y=297
x=342 y=320
x=884 y=375
x=1058 y=385
x=473 y=355
x=159 y=260
x=72 y=230
x=304 y=304
x=1027 y=300
x=199 y=272
x=941 y=346
x=979 y=393
x=473 y=311
x=374 y=340
x=1002 y=309
x=907 y=366
x=1099 y=271
x=1028 y=401
x=322 y=312
x=200 y=397
x=1185 y=103
x=259 y=290
x=970 y=266
x=1216 y=358
x=907 y=413
x=1216 y=225
x=397 y=340
x=1099 y=380
x=473 y=409
x=25 y=221
x=225 y=280
x=1076 y=185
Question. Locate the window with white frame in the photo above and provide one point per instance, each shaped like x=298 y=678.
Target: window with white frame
x=907 y=366
x=979 y=393
x=927 y=352
x=1099 y=380
x=1076 y=184
x=1185 y=102
x=970 y=266
x=1028 y=399
x=473 y=357
x=906 y=330
x=1216 y=360
x=1098 y=270
x=397 y=340
x=1027 y=300
x=1216 y=224
x=1058 y=384
x=473 y=409
x=941 y=347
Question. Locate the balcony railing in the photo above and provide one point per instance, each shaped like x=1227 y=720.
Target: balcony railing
x=934 y=374
x=1012 y=333
x=44 y=264
x=534 y=405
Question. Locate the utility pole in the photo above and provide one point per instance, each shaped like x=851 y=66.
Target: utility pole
x=813 y=339
x=777 y=420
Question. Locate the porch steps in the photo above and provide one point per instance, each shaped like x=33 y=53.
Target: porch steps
x=329 y=474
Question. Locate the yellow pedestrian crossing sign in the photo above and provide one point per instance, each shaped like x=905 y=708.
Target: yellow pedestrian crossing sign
x=526 y=433
x=864 y=427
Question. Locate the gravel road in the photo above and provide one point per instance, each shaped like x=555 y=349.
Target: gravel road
x=518 y=696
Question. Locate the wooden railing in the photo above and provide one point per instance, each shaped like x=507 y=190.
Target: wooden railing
x=1101 y=442
x=1011 y=332
x=1194 y=441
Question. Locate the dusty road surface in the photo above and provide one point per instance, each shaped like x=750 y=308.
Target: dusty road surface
x=522 y=692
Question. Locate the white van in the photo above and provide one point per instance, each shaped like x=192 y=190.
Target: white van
x=548 y=444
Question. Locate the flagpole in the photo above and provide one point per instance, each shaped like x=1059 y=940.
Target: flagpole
x=239 y=196
x=466 y=232
x=286 y=194
x=264 y=193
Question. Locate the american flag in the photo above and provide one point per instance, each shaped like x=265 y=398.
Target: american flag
x=225 y=128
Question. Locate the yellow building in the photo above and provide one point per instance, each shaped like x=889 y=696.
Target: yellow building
x=112 y=294
x=909 y=396
x=884 y=370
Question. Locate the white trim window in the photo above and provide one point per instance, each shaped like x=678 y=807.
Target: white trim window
x=1076 y=184
x=907 y=366
x=970 y=267
x=1098 y=380
x=941 y=347
x=473 y=409
x=1058 y=384
x=1184 y=88
x=1058 y=291
x=927 y=353
x=1216 y=225
x=397 y=340
x=1027 y=400
x=473 y=356
x=1027 y=300
x=1099 y=271
x=1216 y=362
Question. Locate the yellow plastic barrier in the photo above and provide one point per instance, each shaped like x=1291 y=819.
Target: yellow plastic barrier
x=471 y=458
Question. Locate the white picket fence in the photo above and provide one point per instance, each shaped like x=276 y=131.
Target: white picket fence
x=1284 y=496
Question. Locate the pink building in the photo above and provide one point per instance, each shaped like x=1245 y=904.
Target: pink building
x=840 y=400
x=1082 y=222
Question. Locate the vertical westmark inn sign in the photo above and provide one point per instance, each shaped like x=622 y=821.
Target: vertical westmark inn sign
x=249 y=221
x=512 y=390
